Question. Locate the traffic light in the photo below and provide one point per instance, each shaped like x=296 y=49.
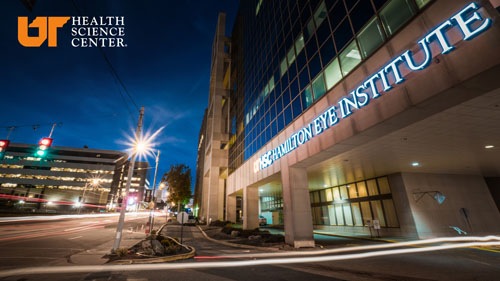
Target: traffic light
x=43 y=146
x=3 y=147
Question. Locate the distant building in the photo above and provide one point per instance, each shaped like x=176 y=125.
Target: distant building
x=65 y=178
x=139 y=182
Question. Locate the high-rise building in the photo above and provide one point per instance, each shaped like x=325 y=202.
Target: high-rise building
x=351 y=116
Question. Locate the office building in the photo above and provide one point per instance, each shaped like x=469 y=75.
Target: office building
x=355 y=117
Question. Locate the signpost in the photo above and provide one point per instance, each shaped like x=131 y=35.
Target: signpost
x=182 y=218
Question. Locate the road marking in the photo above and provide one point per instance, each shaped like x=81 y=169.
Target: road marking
x=75 y=237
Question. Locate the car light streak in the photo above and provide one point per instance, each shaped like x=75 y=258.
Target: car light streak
x=361 y=248
x=60 y=217
x=198 y=265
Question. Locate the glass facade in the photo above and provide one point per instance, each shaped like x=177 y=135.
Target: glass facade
x=355 y=204
x=288 y=54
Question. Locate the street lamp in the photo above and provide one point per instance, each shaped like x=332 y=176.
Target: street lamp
x=94 y=182
x=151 y=211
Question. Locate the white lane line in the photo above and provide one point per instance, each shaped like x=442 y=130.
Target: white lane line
x=75 y=237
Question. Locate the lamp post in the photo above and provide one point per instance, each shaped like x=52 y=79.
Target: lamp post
x=151 y=211
x=138 y=147
x=94 y=182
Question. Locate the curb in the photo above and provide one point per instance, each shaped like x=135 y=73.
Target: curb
x=234 y=244
x=189 y=255
x=354 y=237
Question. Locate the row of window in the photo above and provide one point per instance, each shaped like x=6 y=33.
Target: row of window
x=357 y=214
x=360 y=189
x=285 y=104
x=268 y=203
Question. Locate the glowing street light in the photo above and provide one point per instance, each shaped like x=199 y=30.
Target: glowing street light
x=94 y=182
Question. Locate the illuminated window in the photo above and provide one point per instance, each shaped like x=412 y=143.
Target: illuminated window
x=320 y=14
x=396 y=14
x=318 y=86
x=422 y=3
x=299 y=44
x=308 y=96
x=283 y=67
x=332 y=74
x=350 y=58
x=370 y=38
x=291 y=56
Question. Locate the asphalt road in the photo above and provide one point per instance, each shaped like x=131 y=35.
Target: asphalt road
x=51 y=249
x=35 y=242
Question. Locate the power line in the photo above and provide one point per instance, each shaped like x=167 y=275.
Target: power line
x=113 y=72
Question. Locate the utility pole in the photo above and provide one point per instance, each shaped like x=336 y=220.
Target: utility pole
x=151 y=212
x=119 y=228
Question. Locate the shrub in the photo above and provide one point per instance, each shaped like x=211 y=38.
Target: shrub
x=121 y=252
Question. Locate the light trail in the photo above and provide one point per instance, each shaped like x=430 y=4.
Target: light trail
x=60 y=217
x=199 y=265
x=361 y=248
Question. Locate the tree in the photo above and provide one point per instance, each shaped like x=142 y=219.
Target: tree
x=178 y=180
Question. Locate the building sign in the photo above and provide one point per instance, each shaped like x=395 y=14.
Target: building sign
x=470 y=23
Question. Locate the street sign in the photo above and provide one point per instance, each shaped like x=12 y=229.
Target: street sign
x=182 y=217
x=376 y=224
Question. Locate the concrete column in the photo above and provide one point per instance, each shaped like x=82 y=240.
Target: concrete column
x=231 y=208
x=250 y=207
x=213 y=195
x=296 y=207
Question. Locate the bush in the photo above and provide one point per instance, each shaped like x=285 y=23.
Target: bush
x=121 y=252
x=219 y=223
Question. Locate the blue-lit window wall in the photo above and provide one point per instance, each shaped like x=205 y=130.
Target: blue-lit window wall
x=295 y=51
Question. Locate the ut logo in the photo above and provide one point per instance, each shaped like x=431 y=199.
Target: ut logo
x=43 y=28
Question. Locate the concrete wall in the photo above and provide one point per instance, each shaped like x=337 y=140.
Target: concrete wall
x=461 y=191
x=494 y=187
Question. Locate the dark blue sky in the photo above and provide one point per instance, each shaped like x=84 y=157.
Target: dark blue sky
x=165 y=68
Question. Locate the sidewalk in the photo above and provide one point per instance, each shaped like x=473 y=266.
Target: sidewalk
x=95 y=256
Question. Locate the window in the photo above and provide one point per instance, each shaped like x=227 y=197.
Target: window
x=257 y=9
x=390 y=213
x=320 y=14
x=372 y=187
x=299 y=44
x=365 y=210
x=361 y=14
x=395 y=14
x=325 y=215
x=356 y=214
x=283 y=67
x=383 y=184
x=343 y=192
x=422 y=3
x=318 y=87
x=377 y=212
x=336 y=194
x=332 y=74
x=347 y=213
x=331 y=214
x=370 y=38
x=291 y=56
x=329 y=195
x=316 y=197
x=309 y=31
x=353 y=193
x=361 y=189
x=339 y=215
x=350 y=58
x=308 y=96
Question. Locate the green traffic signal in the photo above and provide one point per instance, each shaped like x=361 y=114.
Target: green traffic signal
x=41 y=153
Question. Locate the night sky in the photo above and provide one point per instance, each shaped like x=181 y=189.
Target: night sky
x=165 y=67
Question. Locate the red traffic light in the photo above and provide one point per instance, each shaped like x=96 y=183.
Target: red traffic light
x=4 y=143
x=46 y=142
